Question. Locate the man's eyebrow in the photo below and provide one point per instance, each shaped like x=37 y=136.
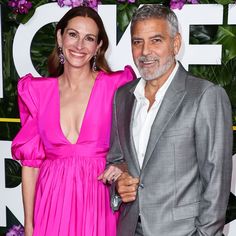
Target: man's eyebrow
x=152 y=37
x=157 y=36
x=136 y=38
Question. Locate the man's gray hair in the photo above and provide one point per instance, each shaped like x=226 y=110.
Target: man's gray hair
x=156 y=11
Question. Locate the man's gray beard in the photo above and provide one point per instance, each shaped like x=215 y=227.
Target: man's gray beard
x=146 y=75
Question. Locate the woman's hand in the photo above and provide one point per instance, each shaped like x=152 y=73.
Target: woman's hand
x=112 y=173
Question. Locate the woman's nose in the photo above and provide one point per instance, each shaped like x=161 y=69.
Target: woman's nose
x=80 y=43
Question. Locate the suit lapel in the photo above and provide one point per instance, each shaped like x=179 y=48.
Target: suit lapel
x=172 y=99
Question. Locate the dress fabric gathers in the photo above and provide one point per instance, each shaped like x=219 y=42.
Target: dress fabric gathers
x=69 y=200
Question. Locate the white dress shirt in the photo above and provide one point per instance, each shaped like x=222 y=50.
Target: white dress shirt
x=143 y=119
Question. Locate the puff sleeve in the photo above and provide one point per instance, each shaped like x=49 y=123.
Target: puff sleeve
x=125 y=76
x=27 y=145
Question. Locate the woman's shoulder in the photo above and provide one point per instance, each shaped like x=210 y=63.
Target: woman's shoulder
x=35 y=82
x=31 y=86
x=119 y=77
x=127 y=71
x=30 y=79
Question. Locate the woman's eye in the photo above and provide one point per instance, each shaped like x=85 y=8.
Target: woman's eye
x=90 y=38
x=72 y=34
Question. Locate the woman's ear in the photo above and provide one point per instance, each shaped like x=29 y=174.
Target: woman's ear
x=59 y=38
x=99 y=46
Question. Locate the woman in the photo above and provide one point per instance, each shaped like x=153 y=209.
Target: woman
x=64 y=139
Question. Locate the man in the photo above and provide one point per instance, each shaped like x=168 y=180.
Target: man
x=174 y=132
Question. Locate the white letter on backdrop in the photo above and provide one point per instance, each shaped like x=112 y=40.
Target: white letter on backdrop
x=25 y=33
x=202 y=14
x=10 y=197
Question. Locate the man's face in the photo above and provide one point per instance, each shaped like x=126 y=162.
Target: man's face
x=153 y=48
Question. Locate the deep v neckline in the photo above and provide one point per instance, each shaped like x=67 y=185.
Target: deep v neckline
x=85 y=113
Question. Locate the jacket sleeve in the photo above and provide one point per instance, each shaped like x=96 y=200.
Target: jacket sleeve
x=115 y=156
x=213 y=135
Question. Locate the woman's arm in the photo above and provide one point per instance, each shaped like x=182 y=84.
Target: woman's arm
x=29 y=179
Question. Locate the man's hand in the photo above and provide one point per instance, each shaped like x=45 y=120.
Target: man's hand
x=127 y=186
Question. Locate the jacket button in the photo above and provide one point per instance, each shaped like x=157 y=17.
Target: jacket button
x=141 y=185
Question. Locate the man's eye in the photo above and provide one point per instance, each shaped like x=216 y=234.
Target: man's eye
x=136 y=42
x=157 y=40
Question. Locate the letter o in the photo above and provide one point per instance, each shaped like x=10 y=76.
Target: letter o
x=45 y=14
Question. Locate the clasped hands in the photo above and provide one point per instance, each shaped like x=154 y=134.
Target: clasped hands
x=126 y=185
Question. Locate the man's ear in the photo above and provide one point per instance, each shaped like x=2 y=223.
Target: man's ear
x=59 y=38
x=177 y=43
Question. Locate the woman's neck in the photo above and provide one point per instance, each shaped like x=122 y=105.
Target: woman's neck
x=77 y=77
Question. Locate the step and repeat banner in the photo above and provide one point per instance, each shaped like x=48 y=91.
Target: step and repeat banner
x=119 y=55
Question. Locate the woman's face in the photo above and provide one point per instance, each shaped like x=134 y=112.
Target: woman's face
x=79 y=41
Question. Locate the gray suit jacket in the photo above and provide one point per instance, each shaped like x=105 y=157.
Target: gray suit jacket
x=186 y=173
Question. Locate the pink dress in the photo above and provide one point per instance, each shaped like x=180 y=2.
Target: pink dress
x=69 y=199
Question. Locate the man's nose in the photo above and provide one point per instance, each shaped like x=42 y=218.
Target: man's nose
x=146 y=49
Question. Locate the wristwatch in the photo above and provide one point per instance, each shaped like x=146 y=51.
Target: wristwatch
x=115 y=202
